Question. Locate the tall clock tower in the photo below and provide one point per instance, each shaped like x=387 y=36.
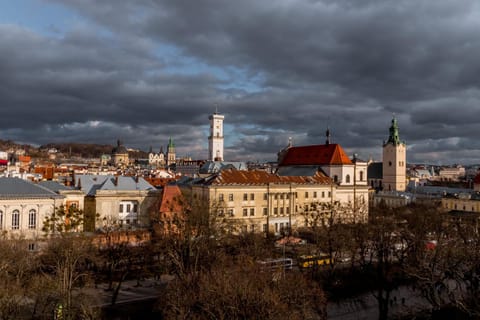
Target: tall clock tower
x=215 y=139
x=394 y=161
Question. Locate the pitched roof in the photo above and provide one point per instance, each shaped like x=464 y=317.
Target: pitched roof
x=237 y=177
x=91 y=183
x=322 y=154
x=170 y=202
x=54 y=186
x=18 y=188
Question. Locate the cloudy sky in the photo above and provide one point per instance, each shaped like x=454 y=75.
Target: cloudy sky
x=146 y=70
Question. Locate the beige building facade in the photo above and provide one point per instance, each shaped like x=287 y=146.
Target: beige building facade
x=256 y=201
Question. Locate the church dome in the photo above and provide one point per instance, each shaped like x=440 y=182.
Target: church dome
x=119 y=149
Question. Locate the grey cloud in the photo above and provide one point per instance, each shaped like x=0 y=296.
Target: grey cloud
x=276 y=69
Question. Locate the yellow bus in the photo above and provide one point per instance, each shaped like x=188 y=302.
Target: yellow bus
x=309 y=261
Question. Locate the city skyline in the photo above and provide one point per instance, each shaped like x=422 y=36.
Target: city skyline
x=144 y=71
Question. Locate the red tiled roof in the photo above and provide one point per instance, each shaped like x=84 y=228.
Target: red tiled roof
x=233 y=176
x=170 y=199
x=322 y=154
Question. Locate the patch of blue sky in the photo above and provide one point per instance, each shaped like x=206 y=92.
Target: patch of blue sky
x=242 y=79
x=45 y=18
x=229 y=77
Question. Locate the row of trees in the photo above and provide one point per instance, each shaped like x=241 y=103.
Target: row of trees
x=420 y=246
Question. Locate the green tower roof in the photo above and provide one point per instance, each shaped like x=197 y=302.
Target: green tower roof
x=394 y=137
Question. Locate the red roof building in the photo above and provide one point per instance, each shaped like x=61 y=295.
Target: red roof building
x=324 y=154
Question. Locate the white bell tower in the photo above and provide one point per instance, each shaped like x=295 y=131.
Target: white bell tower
x=215 y=139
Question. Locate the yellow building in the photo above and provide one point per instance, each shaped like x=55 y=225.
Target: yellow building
x=257 y=201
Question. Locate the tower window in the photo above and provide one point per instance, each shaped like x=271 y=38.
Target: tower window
x=390 y=163
x=347 y=178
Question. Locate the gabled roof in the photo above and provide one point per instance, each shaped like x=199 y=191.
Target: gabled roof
x=240 y=177
x=322 y=154
x=91 y=183
x=170 y=199
x=11 y=188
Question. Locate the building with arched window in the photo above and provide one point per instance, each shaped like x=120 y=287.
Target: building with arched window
x=24 y=206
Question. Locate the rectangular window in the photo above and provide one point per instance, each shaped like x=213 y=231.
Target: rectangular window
x=288 y=196
x=252 y=211
x=275 y=210
x=15 y=220
x=314 y=194
x=265 y=211
x=32 y=219
x=306 y=194
x=288 y=210
x=230 y=197
x=121 y=208
x=32 y=247
x=135 y=208
x=1 y=219
x=281 y=210
x=265 y=228
x=245 y=212
x=230 y=212
x=245 y=197
x=329 y=194
x=128 y=207
x=323 y=194
x=252 y=196
x=252 y=228
x=276 y=196
x=265 y=196
x=220 y=197
x=281 y=195
x=244 y=229
x=220 y=213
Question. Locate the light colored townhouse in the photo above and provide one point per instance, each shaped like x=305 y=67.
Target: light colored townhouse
x=23 y=208
x=122 y=201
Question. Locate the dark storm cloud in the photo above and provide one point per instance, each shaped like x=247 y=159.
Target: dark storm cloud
x=276 y=69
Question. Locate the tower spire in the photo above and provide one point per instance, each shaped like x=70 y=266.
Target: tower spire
x=327 y=134
x=394 y=137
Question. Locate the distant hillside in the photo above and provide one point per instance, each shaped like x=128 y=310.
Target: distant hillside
x=67 y=150
x=82 y=150
x=87 y=150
